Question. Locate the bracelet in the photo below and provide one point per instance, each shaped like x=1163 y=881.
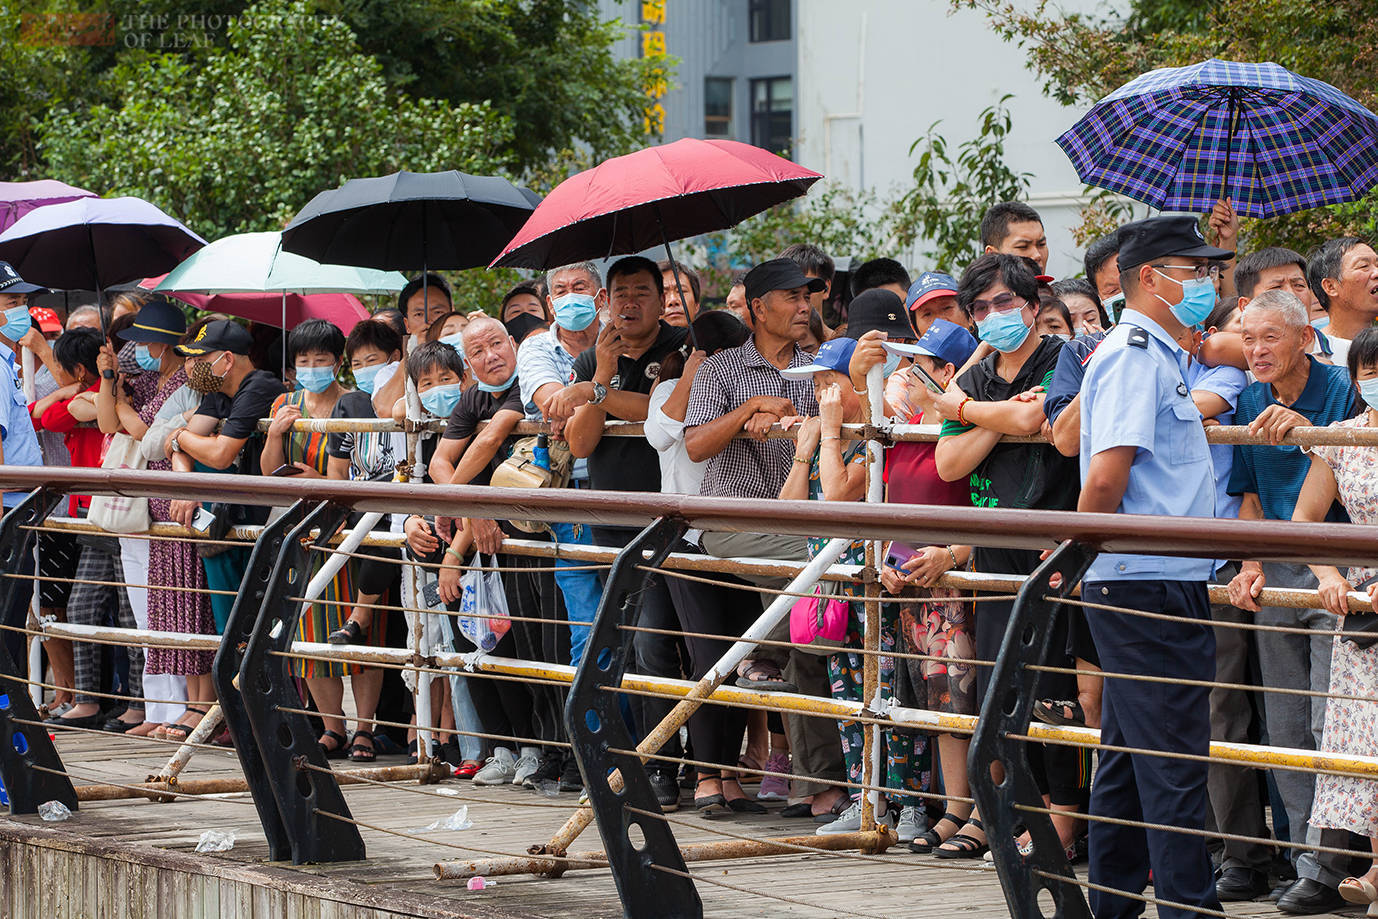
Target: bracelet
x=454 y=553
x=829 y=437
x=953 y=556
x=961 y=410
x=802 y=460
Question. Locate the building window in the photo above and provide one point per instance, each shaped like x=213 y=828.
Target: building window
x=717 y=107
x=772 y=114
x=769 y=20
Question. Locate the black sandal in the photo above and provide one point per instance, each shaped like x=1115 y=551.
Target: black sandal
x=336 y=752
x=709 y=805
x=1065 y=712
x=181 y=732
x=362 y=753
x=349 y=634
x=964 y=846
x=770 y=677
x=926 y=842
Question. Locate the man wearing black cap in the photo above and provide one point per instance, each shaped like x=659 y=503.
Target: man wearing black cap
x=1144 y=451
x=235 y=396
x=743 y=389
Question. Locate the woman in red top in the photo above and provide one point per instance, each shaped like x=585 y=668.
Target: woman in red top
x=75 y=404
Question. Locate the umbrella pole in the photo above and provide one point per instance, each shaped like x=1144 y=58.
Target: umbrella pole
x=100 y=298
x=1232 y=119
x=284 y=334
x=679 y=284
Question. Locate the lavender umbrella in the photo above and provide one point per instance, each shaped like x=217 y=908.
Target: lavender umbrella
x=18 y=198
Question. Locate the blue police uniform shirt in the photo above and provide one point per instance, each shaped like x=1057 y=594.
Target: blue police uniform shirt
x=17 y=434
x=1135 y=395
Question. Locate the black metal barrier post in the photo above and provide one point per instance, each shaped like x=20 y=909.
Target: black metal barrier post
x=593 y=717
x=305 y=798
x=1007 y=709
x=29 y=764
x=228 y=661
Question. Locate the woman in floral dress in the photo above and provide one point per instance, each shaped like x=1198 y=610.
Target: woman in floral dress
x=1349 y=474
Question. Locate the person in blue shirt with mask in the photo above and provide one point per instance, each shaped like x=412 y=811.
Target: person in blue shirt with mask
x=1144 y=451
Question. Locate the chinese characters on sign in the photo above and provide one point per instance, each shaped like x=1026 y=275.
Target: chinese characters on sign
x=653 y=54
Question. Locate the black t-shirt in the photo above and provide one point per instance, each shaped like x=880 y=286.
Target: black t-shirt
x=1020 y=475
x=475 y=406
x=241 y=412
x=629 y=463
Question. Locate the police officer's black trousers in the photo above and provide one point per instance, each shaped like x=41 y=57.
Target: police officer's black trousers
x=1152 y=716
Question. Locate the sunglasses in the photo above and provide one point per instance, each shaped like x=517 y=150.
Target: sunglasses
x=1000 y=303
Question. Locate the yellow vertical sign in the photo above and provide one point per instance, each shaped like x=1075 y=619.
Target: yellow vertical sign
x=656 y=78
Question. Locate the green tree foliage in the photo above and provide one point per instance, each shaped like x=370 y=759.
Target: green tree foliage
x=1081 y=58
x=238 y=138
x=949 y=196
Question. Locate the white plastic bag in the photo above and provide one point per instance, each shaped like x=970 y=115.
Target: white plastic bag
x=483 y=617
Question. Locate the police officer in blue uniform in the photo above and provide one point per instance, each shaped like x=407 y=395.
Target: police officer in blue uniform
x=1143 y=451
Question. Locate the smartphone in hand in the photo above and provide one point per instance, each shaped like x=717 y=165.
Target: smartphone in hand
x=898 y=554
x=287 y=469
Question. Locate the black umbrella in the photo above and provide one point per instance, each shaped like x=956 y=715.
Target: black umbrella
x=430 y=220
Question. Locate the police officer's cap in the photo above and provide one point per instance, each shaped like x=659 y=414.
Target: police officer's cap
x=1148 y=240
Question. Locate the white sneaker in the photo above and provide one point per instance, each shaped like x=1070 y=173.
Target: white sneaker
x=498 y=769
x=913 y=823
x=526 y=765
x=849 y=821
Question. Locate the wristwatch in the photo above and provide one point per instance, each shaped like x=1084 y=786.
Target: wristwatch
x=173 y=444
x=600 y=392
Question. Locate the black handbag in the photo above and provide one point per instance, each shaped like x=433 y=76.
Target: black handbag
x=1360 y=629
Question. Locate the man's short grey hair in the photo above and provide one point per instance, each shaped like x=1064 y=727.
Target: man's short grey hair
x=588 y=268
x=479 y=323
x=81 y=312
x=1284 y=303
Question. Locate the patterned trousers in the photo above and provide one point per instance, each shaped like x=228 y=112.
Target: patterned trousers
x=88 y=605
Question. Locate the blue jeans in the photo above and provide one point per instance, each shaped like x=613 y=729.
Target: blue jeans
x=582 y=590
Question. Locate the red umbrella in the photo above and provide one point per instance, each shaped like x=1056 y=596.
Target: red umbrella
x=344 y=310
x=648 y=198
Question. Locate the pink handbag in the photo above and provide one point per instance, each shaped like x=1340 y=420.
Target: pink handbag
x=820 y=619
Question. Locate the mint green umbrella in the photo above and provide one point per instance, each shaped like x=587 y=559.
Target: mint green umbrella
x=255 y=263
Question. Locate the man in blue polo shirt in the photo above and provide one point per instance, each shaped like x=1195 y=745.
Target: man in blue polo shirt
x=1144 y=451
x=1293 y=389
x=18 y=442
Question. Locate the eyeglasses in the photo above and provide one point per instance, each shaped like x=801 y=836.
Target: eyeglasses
x=1000 y=303
x=1197 y=271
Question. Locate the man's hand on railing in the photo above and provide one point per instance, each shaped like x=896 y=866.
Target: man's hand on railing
x=420 y=537
x=759 y=424
x=562 y=405
x=1275 y=421
x=488 y=536
x=1245 y=587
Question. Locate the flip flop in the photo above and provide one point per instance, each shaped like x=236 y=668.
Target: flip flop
x=770 y=677
x=1066 y=712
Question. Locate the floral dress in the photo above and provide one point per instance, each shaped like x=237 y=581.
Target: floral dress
x=1346 y=802
x=172 y=563
x=906 y=752
x=320 y=619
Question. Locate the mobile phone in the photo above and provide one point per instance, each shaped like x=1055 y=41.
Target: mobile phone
x=203 y=520
x=898 y=554
x=430 y=594
x=287 y=469
x=927 y=380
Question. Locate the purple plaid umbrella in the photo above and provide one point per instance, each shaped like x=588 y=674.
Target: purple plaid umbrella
x=1181 y=138
x=18 y=198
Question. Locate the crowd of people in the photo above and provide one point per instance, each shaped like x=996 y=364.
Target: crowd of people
x=1121 y=372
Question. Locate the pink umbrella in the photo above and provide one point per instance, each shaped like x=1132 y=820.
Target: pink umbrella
x=18 y=198
x=344 y=310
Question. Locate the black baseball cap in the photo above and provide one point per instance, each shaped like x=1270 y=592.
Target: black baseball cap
x=779 y=274
x=12 y=283
x=879 y=309
x=219 y=335
x=1148 y=240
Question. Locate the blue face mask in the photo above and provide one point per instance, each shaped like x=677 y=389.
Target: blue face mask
x=17 y=323
x=575 y=312
x=498 y=387
x=455 y=341
x=892 y=363
x=315 y=379
x=364 y=377
x=1004 y=331
x=441 y=400
x=145 y=358
x=1198 y=299
x=1369 y=390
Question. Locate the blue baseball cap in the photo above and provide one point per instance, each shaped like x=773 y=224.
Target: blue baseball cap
x=834 y=355
x=946 y=341
x=929 y=285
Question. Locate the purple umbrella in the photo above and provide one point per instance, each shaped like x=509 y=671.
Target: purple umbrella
x=93 y=243
x=18 y=198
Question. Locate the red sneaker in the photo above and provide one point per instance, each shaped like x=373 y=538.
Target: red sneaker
x=467 y=769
